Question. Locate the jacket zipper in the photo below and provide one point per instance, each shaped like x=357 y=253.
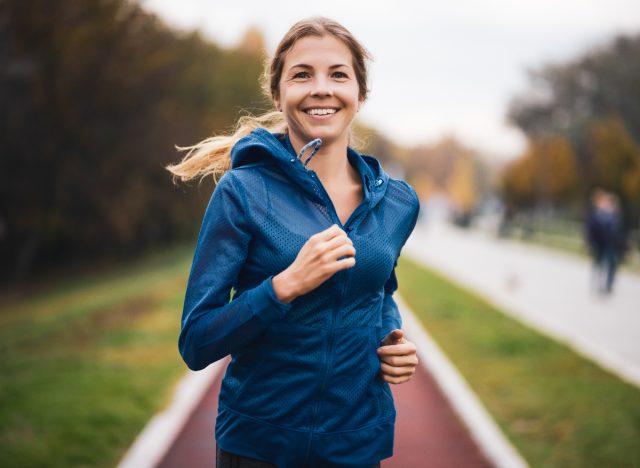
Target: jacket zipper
x=330 y=338
x=342 y=275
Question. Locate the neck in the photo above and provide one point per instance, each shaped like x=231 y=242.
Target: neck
x=330 y=163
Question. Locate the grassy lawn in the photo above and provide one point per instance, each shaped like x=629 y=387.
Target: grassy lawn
x=559 y=409
x=87 y=362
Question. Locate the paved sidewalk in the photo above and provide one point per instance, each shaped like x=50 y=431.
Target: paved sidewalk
x=548 y=290
x=428 y=433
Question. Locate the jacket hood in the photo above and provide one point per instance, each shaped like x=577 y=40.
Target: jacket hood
x=262 y=145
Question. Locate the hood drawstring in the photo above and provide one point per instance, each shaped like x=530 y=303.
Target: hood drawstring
x=316 y=143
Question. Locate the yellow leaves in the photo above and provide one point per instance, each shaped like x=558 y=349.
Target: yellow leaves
x=448 y=169
x=560 y=162
x=461 y=185
x=615 y=159
x=547 y=170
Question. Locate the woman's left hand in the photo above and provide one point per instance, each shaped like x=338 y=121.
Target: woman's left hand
x=398 y=358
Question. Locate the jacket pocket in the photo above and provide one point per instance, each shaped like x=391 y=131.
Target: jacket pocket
x=281 y=386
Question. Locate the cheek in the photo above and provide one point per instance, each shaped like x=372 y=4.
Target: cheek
x=353 y=93
x=289 y=96
x=353 y=96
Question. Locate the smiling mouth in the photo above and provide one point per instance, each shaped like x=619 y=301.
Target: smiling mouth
x=320 y=111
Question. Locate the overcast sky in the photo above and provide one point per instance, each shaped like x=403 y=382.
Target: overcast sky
x=439 y=67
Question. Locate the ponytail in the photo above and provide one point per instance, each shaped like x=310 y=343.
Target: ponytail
x=212 y=156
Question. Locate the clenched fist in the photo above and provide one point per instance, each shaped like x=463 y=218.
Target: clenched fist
x=398 y=358
x=315 y=263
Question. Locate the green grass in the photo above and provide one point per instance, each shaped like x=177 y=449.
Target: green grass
x=559 y=409
x=87 y=362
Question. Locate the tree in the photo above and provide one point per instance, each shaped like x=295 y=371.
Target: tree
x=546 y=173
x=615 y=163
x=462 y=187
x=566 y=98
x=94 y=96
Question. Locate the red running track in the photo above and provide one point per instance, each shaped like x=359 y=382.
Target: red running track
x=428 y=432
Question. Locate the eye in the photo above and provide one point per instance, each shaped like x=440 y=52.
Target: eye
x=340 y=75
x=301 y=74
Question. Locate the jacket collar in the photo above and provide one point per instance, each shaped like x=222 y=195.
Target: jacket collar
x=262 y=145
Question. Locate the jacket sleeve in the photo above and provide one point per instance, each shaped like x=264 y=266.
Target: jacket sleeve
x=212 y=327
x=391 y=318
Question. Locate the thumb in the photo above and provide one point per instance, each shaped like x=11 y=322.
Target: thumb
x=393 y=337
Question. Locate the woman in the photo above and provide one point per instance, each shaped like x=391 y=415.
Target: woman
x=307 y=232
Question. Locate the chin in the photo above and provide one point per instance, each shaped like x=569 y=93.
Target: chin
x=327 y=136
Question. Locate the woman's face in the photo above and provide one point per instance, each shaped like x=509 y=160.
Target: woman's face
x=318 y=92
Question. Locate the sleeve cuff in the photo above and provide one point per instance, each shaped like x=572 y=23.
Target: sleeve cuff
x=265 y=304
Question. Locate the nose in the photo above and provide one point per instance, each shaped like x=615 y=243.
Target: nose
x=321 y=87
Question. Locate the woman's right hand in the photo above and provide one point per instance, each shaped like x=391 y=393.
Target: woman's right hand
x=316 y=262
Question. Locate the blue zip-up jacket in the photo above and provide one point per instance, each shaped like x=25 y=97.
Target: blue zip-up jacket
x=303 y=385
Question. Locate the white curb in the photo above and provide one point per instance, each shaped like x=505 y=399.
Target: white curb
x=483 y=429
x=153 y=443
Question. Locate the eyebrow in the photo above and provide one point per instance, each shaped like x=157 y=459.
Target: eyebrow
x=304 y=65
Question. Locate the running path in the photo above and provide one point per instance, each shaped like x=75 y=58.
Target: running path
x=547 y=290
x=195 y=446
x=428 y=432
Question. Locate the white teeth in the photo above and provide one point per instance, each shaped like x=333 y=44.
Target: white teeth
x=321 y=111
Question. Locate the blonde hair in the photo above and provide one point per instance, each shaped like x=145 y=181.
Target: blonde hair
x=212 y=155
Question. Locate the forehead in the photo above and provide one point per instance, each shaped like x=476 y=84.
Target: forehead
x=318 y=51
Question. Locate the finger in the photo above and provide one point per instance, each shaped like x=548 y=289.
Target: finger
x=347 y=262
x=343 y=251
x=404 y=360
x=329 y=233
x=324 y=250
x=396 y=380
x=400 y=349
x=393 y=337
x=396 y=371
x=337 y=241
x=338 y=246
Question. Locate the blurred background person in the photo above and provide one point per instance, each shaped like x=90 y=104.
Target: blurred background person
x=605 y=238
